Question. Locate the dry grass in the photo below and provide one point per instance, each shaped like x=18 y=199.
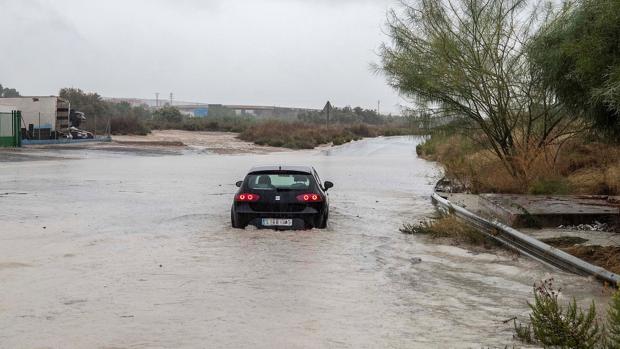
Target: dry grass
x=296 y=135
x=301 y=135
x=576 y=168
x=447 y=227
x=469 y=165
x=596 y=180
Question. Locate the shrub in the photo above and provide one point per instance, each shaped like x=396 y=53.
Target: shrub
x=613 y=321
x=549 y=186
x=523 y=332
x=554 y=325
x=168 y=114
x=466 y=164
x=128 y=125
x=301 y=135
x=576 y=168
x=361 y=130
x=446 y=227
x=422 y=228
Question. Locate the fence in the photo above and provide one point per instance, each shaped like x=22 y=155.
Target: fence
x=10 y=129
x=27 y=142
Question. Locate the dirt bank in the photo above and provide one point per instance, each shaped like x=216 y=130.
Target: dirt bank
x=216 y=142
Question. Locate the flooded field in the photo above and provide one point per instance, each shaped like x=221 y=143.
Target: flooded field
x=124 y=249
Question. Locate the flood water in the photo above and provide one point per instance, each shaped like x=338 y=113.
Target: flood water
x=135 y=250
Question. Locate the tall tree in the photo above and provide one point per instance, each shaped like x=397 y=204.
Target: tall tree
x=468 y=59
x=89 y=103
x=579 y=56
x=168 y=114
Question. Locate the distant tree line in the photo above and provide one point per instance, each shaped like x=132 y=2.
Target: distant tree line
x=123 y=118
x=346 y=115
x=127 y=119
x=8 y=92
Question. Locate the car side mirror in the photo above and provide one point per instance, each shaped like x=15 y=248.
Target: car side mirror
x=328 y=185
x=238 y=184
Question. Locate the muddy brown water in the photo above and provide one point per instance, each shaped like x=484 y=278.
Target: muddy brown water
x=123 y=250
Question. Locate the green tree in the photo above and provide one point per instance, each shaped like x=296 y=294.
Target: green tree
x=579 y=56
x=467 y=59
x=91 y=104
x=8 y=92
x=122 y=117
x=168 y=114
x=346 y=115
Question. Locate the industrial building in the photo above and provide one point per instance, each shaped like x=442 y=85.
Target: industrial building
x=42 y=117
x=201 y=110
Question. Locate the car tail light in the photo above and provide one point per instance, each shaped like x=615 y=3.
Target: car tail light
x=310 y=197
x=247 y=197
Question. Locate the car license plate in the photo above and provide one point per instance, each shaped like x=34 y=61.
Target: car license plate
x=274 y=222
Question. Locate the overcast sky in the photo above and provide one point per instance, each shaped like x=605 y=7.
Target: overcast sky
x=268 y=52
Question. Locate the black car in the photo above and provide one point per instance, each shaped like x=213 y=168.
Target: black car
x=281 y=197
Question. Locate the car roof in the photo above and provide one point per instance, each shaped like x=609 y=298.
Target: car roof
x=278 y=168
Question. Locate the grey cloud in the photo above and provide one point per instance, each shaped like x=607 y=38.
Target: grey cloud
x=273 y=52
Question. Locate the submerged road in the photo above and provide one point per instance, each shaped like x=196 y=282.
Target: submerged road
x=135 y=250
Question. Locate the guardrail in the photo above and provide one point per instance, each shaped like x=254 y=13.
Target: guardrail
x=527 y=245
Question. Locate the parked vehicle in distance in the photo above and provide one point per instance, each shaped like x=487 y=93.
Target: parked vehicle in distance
x=281 y=197
x=80 y=134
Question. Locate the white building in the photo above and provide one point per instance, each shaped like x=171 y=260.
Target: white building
x=7 y=108
x=47 y=114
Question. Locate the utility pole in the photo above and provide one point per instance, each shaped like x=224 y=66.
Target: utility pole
x=156 y=99
x=171 y=99
x=379 y=107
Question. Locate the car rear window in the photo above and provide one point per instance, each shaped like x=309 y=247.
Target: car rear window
x=279 y=181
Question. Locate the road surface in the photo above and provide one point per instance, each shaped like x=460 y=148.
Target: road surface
x=122 y=249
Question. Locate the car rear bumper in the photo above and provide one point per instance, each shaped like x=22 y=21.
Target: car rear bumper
x=298 y=223
x=301 y=220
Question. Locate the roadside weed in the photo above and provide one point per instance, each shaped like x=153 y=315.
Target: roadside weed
x=554 y=325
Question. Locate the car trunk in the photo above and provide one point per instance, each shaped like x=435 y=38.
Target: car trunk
x=278 y=201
